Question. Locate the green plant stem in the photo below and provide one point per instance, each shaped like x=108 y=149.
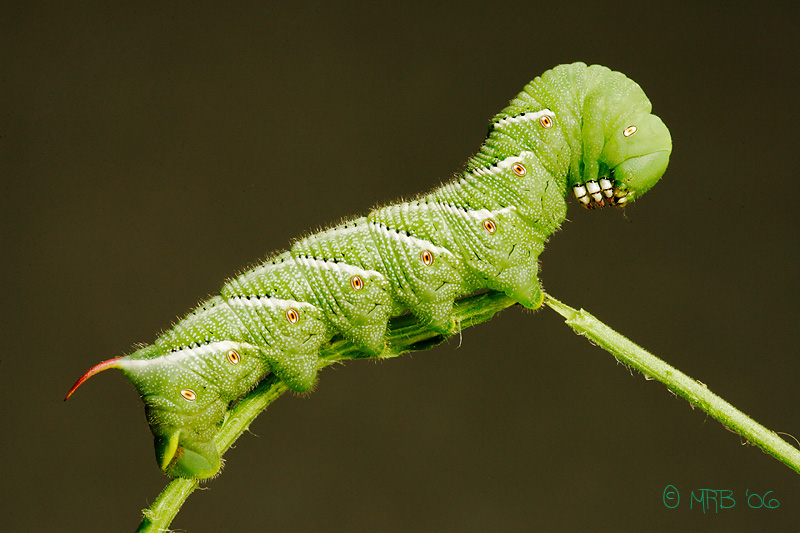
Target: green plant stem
x=695 y=392
x=405 y=335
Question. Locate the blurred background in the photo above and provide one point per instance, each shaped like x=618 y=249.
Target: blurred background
x=148 y=152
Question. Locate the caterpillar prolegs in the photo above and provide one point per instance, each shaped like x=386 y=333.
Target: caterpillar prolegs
x=577 y=130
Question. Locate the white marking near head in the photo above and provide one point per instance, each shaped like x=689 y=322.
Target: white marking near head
x=525 y=117
x=501 y=166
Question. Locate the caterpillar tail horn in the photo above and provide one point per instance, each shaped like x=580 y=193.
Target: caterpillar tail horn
x=105 y=365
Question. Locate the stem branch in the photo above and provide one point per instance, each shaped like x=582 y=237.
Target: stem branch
x=405 y=334
x=695 y=392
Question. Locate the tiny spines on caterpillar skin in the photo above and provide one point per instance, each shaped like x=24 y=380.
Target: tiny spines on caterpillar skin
x=579 y=128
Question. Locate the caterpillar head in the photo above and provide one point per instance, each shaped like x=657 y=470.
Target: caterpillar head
x=638 y=153
x=634 y=158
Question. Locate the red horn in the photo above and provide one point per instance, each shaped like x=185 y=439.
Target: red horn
x=105 y=365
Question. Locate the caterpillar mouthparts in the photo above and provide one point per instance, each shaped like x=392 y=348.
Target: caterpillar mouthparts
x=601 y=193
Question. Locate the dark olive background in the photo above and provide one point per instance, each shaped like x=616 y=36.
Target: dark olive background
x=149 y=152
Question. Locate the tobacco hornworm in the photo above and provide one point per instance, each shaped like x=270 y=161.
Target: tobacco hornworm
x=578 y=128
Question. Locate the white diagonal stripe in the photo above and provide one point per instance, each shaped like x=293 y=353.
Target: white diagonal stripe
x=501 y=166
x=265 y=301
x=333 y=265
x=413 y=241
x=186 y=354
x=525 y=117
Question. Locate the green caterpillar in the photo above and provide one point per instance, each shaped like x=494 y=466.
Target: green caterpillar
x=579 y=128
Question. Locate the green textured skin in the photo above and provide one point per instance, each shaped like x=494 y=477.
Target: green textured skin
x=485 y=229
